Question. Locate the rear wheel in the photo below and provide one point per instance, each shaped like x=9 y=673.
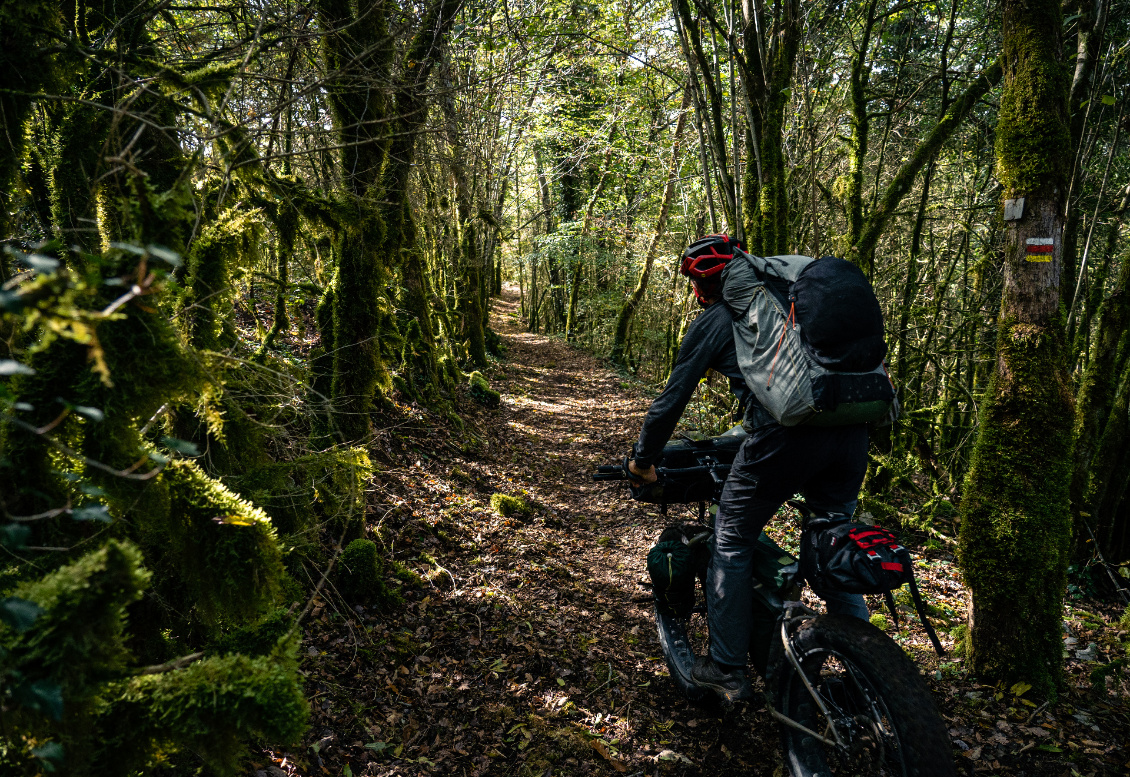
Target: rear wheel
x=877 y=703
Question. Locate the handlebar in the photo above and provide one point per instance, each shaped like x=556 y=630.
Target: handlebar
x=615 y=472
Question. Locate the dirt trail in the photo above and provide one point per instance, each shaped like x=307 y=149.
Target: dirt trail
x=527 y=651
x=603 y=679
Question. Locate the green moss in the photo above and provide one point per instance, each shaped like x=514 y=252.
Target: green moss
x=508 y=506
x=1015 y=526
x=223 y=548
x=216 y=251
x=361 y=573
x=482 y=392
x=211 y=708
x=258 y=639
x=879 y=621
x=360 y=316
x=78 y=638
x=409 y=577
x=1033 y=137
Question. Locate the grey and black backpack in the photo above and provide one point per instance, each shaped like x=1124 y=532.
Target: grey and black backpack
x=809 y=338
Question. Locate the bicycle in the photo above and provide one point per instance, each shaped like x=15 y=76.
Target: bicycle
x=849 y=701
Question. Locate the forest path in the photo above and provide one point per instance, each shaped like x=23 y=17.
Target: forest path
x=530 y=650
x=563 y=412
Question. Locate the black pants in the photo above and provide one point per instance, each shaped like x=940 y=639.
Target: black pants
x=825 y=465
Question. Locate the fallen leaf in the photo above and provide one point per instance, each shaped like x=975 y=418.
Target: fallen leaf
x=617 y=764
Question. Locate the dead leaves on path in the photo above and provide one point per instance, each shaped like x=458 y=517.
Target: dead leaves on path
x=527 y=654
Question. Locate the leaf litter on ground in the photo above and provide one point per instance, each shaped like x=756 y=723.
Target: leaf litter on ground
x=532 y=654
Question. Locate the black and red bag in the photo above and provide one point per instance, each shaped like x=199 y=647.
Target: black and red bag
x=843 y=555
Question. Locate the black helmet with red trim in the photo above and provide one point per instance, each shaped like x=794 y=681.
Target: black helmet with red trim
x=703 y=262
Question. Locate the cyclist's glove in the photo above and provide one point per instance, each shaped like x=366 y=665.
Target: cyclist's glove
x=635 y=483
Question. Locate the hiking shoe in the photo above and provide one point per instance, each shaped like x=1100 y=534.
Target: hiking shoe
x=731 y=686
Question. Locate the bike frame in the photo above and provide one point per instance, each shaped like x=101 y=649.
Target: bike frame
x=790 y=613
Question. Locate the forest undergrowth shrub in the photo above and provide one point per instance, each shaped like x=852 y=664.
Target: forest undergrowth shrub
x=152 y=534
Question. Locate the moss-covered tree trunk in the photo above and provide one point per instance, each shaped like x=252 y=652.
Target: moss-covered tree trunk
x=1016 y=524
x=860 y=126
x=713 y=109
x=25 y=68
x=586 y=227
x=767 y=196
x=357 y=56
x=1093 y=416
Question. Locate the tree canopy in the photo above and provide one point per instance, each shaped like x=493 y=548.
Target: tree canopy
x=241 y=240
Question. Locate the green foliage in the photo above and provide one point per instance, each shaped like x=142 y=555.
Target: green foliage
x=879 y=621
x=482 y=392
x=210 y=708
x=510 y=506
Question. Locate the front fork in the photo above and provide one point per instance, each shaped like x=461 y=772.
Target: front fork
x=783 y=658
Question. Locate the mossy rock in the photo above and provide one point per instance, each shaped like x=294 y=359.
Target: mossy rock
x=360 y=575
x=482 y=392
x=495 y=346
x=409 y=577
x=879 y=621
x=510 y=506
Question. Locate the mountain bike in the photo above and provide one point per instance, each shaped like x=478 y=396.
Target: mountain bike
x=849 y=701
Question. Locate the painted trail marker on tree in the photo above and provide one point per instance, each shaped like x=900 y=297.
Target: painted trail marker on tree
x=1039 y=249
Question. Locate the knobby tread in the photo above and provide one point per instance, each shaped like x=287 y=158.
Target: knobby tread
x=922 y=734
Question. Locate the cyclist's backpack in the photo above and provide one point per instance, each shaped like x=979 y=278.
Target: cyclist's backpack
x=809 y=338
x=843 y=555
x=681 y=554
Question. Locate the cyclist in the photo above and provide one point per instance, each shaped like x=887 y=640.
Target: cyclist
x=825 y=464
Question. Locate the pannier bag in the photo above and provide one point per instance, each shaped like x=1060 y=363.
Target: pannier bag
x=681 y=554
x=809 y=338
x=843 y=555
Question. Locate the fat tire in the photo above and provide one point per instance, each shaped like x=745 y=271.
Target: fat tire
x=922 y=741
x=679 y=654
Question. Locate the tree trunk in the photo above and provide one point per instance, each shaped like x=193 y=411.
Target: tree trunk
x=1095 y=402
x=586 y=227
x=355 y=52
x=1016 y=525
x=624 y=319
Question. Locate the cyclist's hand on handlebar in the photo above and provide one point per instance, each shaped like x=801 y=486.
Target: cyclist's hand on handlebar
x=642 y=475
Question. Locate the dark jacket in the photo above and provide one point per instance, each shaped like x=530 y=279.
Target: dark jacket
x=707 y=345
